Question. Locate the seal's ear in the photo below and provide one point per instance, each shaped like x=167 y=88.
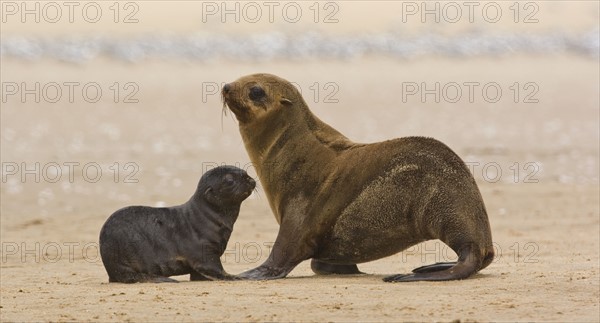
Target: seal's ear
x=285 y=101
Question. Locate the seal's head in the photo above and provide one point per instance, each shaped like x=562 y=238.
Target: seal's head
x=225 y=186
x=255 y=96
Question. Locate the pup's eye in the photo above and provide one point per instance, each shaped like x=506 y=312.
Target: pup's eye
x=228 y=179
x=256 y=93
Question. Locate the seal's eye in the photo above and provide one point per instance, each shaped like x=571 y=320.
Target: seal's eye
x=256 y=93
x=228 y=179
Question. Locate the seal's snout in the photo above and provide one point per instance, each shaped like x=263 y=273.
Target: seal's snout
x=249 y=185
x=226 y=88
x=252 y=182
x=230 y=95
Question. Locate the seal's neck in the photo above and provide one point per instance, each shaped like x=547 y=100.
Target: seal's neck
x=287 y=143
x=326 y=135
x=222 y=217
x=273 y=132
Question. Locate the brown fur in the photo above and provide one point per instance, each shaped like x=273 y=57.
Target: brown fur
x=343 y=203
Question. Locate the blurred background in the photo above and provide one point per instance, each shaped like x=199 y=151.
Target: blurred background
x=106 y=104
x=133 y=87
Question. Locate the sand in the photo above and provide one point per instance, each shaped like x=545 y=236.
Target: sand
x=545 y=219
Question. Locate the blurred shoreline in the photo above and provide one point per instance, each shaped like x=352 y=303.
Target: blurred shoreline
x=277 y=45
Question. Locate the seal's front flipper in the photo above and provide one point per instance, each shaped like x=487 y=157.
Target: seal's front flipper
x=291 y=247
x=205 y=277
x=264 y=273
x=195 y=276
x=322 y=268
x=434 y=267
x=210 y=270
x=160 y=279
x=128 y=276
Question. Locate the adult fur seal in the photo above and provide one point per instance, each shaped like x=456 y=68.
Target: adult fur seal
x=147 y=244
x=342 y=203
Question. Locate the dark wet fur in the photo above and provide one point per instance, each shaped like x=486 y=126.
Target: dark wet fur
x=146 y=244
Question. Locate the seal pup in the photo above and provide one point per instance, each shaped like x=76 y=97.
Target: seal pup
x=148 y=244
x=342 y=203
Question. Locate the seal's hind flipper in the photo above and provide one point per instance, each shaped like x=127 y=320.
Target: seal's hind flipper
x=323 y=268
x=458 y=271
x=434 y=267
x=469 y=262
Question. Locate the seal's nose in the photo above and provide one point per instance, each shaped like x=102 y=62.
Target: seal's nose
x=226 y=88
x=252 y=182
